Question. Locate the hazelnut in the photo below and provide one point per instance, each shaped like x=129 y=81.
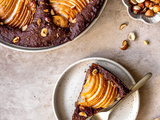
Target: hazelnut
x=33 y=4
x=81 y=107
x=42 y=2
x=60 y=21
x=131 y=36
x=146 y=42
x=52 y=12
x=140 y=1
x=16 y=39
x=141 y=5
x=122 y=26
x=149 y=13
x=156 y=8
x=156 y=1
x=24 y=28
x=46 y=10
x=95 y=71
x=125 y=45
x=39 y=22
x=83 y=114
x=136 y=9
x=44 y=32
x=1 y=23
x=143 y=10
x=147 y=3
x=133 y=2
x=47 y=19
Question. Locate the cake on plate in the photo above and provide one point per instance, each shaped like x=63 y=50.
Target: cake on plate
x=41 y=23
x=100 y=90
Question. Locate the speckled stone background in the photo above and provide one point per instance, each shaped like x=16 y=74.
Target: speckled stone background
x=27 y=79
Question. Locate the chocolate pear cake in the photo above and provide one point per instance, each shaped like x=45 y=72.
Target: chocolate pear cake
x=101 y=89
x=41 y=23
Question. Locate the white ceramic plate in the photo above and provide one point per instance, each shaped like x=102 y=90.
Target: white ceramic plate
x=70 y=83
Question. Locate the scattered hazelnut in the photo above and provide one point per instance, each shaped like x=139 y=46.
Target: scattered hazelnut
x=146 y=42
x=39 y=22
x=122 y=26
x=57 y=35
x=24 y=28
x=33 y=4
x=147 y=3
x=156 y=8
x=149 y=13
x=131 y=36
x=156 y=1
x=133 y=2
x=81 y=107
x=44 y=32
x=42 y=2
x=72 y=20
x=46 y=10
x=1 y=23
x=94 y=72
x=136 y=9
x=83 y=114
x=141 y=5
x=140 y=1
x=52 y=12
x=125 y=45
x=47 y=19
x=16 y=39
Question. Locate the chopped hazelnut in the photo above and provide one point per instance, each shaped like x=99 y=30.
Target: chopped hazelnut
x=44 y=32
x=39 y=22
x=95 y=71
x=46 y=10
x=24 y=28
x=16 y=39
x=52 y=12
x=125 y=45
x=42 y=2
x=83 y=114
x=81 y=107
x=146 y=42
x=1 y=23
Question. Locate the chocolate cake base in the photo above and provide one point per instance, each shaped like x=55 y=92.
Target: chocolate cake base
x=56 y=35
x=122 y=91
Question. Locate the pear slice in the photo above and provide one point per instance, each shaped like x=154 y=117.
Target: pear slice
x=27 y=18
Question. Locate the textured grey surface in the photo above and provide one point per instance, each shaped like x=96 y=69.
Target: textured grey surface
x=27 y=79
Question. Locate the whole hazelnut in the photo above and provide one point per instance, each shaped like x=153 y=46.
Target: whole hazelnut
x=136 y=9
x=149 y=13
x=47 y=19
x=147 y=3
x=141 y=5
x=133 y=2
x=156 y=8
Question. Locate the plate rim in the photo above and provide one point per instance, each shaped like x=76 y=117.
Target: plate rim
x=88 y=59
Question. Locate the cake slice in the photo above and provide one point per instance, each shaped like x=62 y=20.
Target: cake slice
x=101 y=89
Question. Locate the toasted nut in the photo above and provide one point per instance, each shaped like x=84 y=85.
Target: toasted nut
x=143 y=10
x=125 y=45
x=133 y=2
x=83 y=114
x=151 y=5
x=141 y=5
x=146 y=42
x=122 y=26
x=149 y=13
x=136 y=9
x=42 y=2
x=81 y=107
x=33 y=4
x=147 y=3
x=156 y=8
x=140 y=1
x=60 y=21
x=131 y=36
x=57 y=35
x=72 y=20
x=46 y=10
x=47 y=19
x=24 y=28
x=52 y=12
x=16 y=39
x=95 y=71
x=156 y=1
x=1 y=23
x=44 y=32
x=39 y=22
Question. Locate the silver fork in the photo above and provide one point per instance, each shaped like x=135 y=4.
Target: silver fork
x=104 y=114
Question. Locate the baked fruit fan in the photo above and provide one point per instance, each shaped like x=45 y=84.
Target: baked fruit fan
x=101 y=89
x=39 y=23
